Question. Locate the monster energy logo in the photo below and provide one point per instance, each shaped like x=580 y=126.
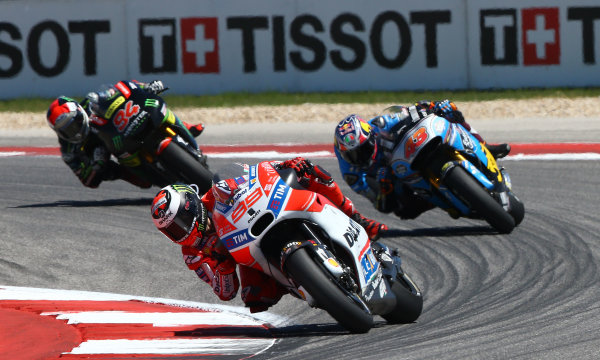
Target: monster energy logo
x=151 y=103
x=117 y=142
x=183 y=188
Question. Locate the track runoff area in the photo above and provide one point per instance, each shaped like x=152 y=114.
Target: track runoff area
x=62 y=324
x=66 y=324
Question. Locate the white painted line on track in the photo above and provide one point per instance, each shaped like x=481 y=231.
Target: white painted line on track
x=174 y=346
x=26 y=293
x=270 y=154
x=156 y=319
x=12 y=153
x=550 y=157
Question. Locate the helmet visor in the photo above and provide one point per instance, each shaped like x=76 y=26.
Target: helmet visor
x=74 y=129
x=185 y=220
x=360 y=155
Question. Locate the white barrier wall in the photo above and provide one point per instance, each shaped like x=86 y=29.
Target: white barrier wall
x=68 y=47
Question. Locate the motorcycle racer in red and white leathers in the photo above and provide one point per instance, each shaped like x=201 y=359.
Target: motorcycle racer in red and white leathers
x=185 y=218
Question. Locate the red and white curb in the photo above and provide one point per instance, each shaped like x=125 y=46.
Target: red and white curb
x=529 y=151
x=66 y=324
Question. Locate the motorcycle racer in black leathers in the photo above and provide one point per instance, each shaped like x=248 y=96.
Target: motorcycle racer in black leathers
x=81 y=148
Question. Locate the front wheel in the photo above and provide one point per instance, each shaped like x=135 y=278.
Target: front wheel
x=517 y=209
x=409 y=301
x=183 y=164
x=468 y=190
x=327 y=293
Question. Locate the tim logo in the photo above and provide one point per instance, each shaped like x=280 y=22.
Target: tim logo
x=199 y=41
x=540 y=36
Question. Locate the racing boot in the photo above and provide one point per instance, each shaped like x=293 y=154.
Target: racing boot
x=195 y=130
x=498 y=151
x=259 y=291
x=374 y=229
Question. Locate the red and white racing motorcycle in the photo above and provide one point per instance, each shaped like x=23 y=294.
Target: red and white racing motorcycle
x=319 y=254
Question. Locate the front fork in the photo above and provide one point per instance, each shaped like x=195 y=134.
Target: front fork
x=377 y=297
x=392 y=267
x=492 y=178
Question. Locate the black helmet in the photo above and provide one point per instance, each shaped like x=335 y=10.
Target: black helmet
x=102 y=102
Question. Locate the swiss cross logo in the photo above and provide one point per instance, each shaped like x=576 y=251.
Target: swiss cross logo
x=540 y=36
x=199 y=39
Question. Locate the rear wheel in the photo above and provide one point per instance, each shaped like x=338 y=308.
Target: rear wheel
x=327 y=293
x=181 y=162
x=468 y=189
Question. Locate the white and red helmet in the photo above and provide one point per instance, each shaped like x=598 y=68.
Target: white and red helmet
x=68 y=119
x=178 y=212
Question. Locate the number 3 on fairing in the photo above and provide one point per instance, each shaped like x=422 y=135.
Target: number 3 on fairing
x=416 y=140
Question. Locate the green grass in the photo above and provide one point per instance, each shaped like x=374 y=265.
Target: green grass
x=274 y=98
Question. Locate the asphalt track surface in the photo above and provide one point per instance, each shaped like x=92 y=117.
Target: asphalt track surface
x=529 y=294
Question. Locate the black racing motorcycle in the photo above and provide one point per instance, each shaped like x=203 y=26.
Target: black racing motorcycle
x=145 y=136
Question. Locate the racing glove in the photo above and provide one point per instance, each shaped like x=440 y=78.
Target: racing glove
x=90 y=172
x=219 y=267
x=448 y=110
x=156 y=87
x=307 y=172
x=300 y=165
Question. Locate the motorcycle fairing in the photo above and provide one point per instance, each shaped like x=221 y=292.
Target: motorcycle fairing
x=469 y=154
x=274 y=199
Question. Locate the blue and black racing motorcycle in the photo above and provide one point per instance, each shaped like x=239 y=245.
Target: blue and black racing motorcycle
x=443 y=163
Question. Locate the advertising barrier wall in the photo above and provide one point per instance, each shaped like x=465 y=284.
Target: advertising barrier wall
x=207 y=47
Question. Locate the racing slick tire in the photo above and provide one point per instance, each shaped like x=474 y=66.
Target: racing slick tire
x=517 y=208
x=477 y=198
x=409 y=301
x=327 y=293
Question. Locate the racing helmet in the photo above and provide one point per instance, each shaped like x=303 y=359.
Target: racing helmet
x=68 y=119
x=101 y=100
x=178 y=212
x=355 y=141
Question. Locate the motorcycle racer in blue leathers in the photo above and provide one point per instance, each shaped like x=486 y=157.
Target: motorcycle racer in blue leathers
x=363 y=149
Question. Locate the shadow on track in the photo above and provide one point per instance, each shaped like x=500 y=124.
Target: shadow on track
x=291 y=331
x=90 y=203
x=441 y=231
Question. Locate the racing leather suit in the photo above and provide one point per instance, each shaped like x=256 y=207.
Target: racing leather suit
x=214 y=265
